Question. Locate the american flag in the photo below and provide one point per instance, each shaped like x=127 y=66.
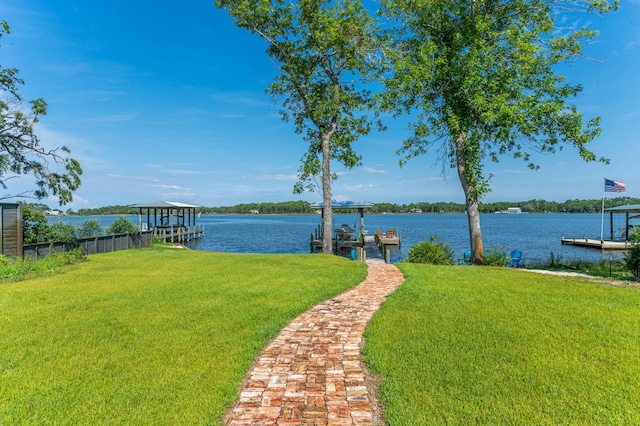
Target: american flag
x=614 y=186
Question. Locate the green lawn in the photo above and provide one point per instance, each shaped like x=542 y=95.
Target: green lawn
x=480 y=345
x=154 y=336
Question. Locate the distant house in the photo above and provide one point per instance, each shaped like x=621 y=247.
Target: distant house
x=52 y=212
x=415 y=211
x=511 y=210
x=254 y=212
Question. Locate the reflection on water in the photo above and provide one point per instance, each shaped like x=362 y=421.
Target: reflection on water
x=536 y=235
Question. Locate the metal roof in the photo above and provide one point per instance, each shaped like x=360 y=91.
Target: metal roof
x=344 y=202
x=165 y=205
x=629 y=208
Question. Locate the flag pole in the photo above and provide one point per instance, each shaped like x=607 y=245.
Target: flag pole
x=602 y=210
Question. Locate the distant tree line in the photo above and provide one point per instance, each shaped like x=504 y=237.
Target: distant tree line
x=531 y=206
x=304 y=207
x=287 y=207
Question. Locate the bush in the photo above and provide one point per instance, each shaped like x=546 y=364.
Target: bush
x=433 y=252
x=90 y=228
x=63 y=232
x=35 y=228
x=496 y=257
x=122 y=225
x=632 y=256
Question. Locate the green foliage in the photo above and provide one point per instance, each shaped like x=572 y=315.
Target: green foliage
x=21 y=152
x=63 y=232
x=632 y=256
x=555 y=260
x=434 y=252
x=122 y=225
x=495 y=257
x=107 y=210
x=480 y=81
x=287 y=207
x=491 y=346
x=153 y=336
x=38 y=207
x=90 y=228
x=12 y=270
x=35 y=227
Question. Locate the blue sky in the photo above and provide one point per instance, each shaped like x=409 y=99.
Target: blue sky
x=165 y=101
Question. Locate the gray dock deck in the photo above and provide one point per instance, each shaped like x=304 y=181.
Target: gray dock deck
x=595 y=243
x=374 y=255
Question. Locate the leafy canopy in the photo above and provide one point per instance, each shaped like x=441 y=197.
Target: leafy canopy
x=325 y=52
x=20 y=150
x=122 y=225
x=485 y=70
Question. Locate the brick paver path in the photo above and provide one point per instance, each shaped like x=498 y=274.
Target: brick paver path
x=312 y=373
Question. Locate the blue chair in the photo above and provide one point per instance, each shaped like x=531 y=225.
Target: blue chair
x=466 y=258
x=516 y=257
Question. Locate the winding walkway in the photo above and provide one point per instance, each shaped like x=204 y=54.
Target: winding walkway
x=312 y=373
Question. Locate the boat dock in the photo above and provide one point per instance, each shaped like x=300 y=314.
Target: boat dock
x=595 y=243
x=178 y=234
x=171 y=221
x=373 y=249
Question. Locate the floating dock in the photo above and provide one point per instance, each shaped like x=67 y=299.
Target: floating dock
x=595 y=243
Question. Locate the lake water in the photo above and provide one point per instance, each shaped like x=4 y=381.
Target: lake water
x=536 y=235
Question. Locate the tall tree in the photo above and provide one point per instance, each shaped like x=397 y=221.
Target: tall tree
x=20 y=149
x=325 y=53
x=481 y=77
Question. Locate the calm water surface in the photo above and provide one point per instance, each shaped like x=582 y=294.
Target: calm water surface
x=536 y=235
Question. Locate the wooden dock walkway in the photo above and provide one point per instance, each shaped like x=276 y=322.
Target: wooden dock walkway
x=596 y=243
x=373 y=253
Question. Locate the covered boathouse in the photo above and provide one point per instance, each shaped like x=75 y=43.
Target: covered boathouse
x=353 y=242
x=170 y=221
x=619 y=236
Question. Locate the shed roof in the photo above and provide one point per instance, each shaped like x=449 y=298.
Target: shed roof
x=165 y=205
x=629 y=208
x=344 y=202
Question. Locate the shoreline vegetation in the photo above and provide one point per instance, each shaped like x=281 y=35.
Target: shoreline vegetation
x=304 y=207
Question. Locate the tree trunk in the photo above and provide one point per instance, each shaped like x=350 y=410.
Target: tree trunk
x=327 y=219
x=471 y=201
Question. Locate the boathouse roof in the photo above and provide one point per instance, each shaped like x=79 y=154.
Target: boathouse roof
x=165 y=205
x=344 y=202
x=629 y=208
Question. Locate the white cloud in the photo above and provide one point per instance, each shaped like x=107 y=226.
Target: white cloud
x=278 y=178
x=372 y=170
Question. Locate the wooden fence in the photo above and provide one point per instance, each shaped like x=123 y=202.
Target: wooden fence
x=91 y=245
x=11 y=229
